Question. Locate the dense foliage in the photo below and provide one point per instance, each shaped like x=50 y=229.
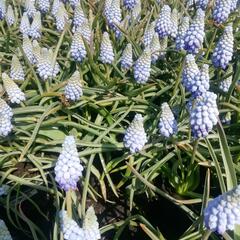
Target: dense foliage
x=119 y=119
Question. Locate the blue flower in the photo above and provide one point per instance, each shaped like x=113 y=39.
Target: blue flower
x=223 y=52
x=164 y=23
x=142 y=67
x=181 y=33
x=194 y=36
x=106 y=49
x=126 y=59
x=135 y=137
x=221 y=10
x=167 y=124
x=203 y=114
x=223 y=212
x=68 y=168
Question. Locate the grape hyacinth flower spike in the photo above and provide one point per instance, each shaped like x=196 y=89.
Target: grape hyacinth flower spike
x=106 y=50
x=36 y=26
x=4 y=233
x=68 y=168
x=5 y=110
x=28 y=49
x=181 y=33
x=200 y=83
x=43 y=5
x=79 y=16
x=10 y=18
x=142 y=67
x=25 y=24
x=190 y=71
x=14 y=93
x=73 y=89
x=129 y=4
x=202 y=4
x=17 y=72
x=126 y=59
x=45 y=66
x=114 y=15
x=164 y=23
x=30 y=8
x=221 y=10
x=193 y=39
x=61 y=17
x=174 y=21
x=148 y=34
x=5 y=118
x=85 y=31
x=78 y=50
x=223 y=212
x=226 y=83
x=91 y=225
x=55 y=7
x=167 y=123
x=2 y=9
x=135 y=136
x=203 y=114
x=223 y=52
x=69 y=228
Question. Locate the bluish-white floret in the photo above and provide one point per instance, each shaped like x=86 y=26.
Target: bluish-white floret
x=5 y=109
x=43 y=5
x=155 y=48
x=36 y=26
x=142 y=67
x=200 y=83
x=174 y=21
x=223 y=212
x=2 y=9
x=203 y=114
x=148 y=34
x=181 y=33
x=164 y=23
x=193 y=39
x=225 y=84
x=4 y=189
x=10 y=18
x=135 y=136
x=14 y=93
x=79 y=16
x=221 y=10
x=25 y=24
x=4 y=233
x=55 y=7
x=68 y=169
x=28 y=49
x=127 y=59
x=190 y=71
x=5 y=127
x=202 y=4
x=78 y=50
x=85 y=31
x=30 y=8
x=69 y=228
x=130 y=4
x=91 y=226
x=223 y=52
x=74 y=3
x=107 y=7
x=167 y=124
x=46 y=68
x=106 y=49
x=61 y=17
x=233 y=6
x=73 y=89
x=16 y=72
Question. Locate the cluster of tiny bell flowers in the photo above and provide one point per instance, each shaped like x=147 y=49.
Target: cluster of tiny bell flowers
x=68 y=171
